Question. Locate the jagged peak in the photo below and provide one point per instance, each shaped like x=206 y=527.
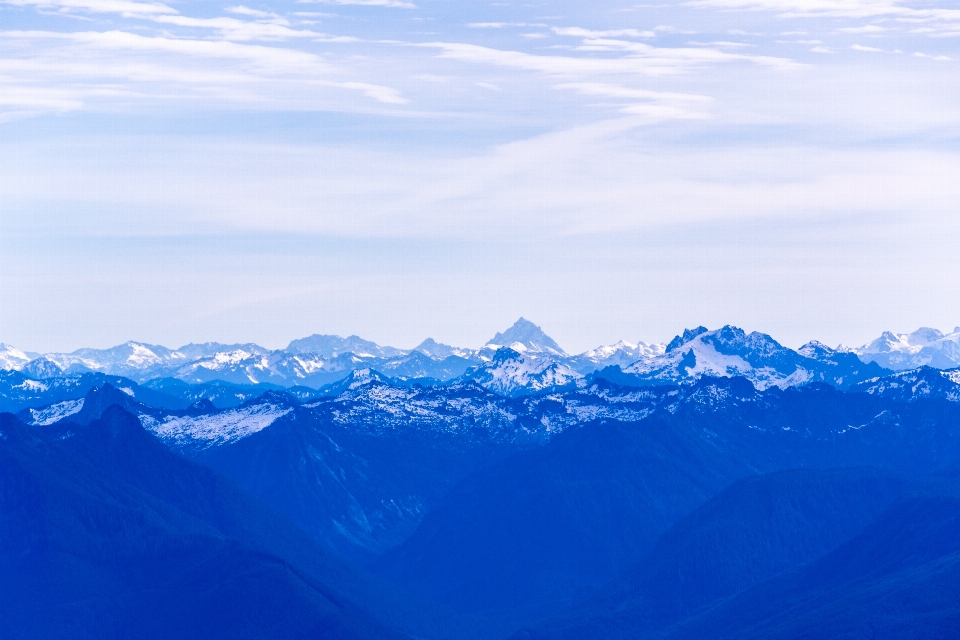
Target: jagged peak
x=527 y=335
x=685 y=337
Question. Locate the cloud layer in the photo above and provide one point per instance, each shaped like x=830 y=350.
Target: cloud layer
x=662 y=163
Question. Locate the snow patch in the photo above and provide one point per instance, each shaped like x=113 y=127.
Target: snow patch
x=217 y=428
x=55 y=412
x=32 y=385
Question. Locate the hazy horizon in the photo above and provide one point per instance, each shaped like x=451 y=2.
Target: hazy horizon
x=409 y=347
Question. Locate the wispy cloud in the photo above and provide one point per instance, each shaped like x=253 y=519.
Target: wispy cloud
x=654 y=106
x=638 y=58
x=397 y=4
x=122 y=7
x=579 y=32
x=870 y=28
x=940 y=58
x=52 y=71
x=858 y=47
x=495 y=25
x=256 y=13
x=937 y=21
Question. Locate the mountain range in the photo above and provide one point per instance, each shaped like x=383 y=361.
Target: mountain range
x=720 y=485
x=530 y=359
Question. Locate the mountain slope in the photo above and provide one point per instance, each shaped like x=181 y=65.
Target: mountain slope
x=751 y=531
x=109 y=534
x=545 y=526
x=914 y=384
x=511 y=373
x=525 y=337
x=729 y=351
x=18 y=391
x=900 y=578
x=11 y=358
x=924 y=347
x=548 y=525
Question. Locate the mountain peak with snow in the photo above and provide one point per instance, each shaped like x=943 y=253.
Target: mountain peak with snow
x=439 y=351
x=12 y=358
x=526 y=337
x=923 y=347
x=330 y=346
x=510 y=372
x=685 y=337
x=816 y=350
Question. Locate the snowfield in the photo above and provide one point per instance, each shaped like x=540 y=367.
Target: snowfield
x=214 y=429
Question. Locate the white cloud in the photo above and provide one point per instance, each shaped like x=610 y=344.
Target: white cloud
x=495 y=25
x=870 y=28
x=123 y=7
x=939 y=21
x=858 y=47
x=247 y=11
x=397 y=4
x=640 y=59
x=487 y=85
x=234 y=29
x=821 y=50
x=380 y=93
x=940 y=58
x=723 y=44
x=612 y=33
x=52 y=71
x=266 y=26
x=585 y=180
x=617 y=91
x=653 y=106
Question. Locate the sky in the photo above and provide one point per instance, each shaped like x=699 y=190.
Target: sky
x=209 y=171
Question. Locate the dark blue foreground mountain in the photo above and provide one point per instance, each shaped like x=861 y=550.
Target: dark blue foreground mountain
x=594 y=510
x=900 y=578
x=358 y=469
x=105 y=533
x=547 y=526
x=756 y=529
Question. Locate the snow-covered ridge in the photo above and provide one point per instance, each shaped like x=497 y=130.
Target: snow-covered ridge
x=915 y=384
x=510 y=372
x=55 y=412
x=924 y=347
x=213 y=429
x=12 y=358
x=541 y=363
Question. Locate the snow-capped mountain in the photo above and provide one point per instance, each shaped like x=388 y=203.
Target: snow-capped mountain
x=916 y=384
x=329 y=346
x=137 y=360
x=729 y=351
x=510 y=373
x=11 y=358
x=41 y=368
x=251 y=367
x=128 y=358
x=440 y=351
x=539 y=362
x=523 y=337
x=19 y=391
x=924 y=347
x=621 y=354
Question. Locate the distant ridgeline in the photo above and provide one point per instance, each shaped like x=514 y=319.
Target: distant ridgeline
x=721 y=485
x=519 y=360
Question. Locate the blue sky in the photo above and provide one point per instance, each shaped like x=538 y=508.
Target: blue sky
x=192 y=171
